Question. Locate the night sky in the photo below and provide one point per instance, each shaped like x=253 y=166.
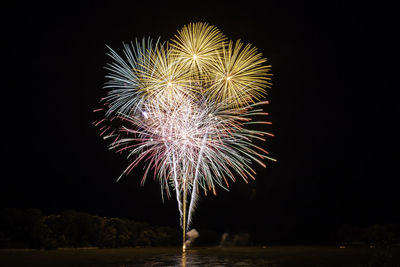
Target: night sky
x=333 y=107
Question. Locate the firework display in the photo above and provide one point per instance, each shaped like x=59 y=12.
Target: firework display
x=187 y=111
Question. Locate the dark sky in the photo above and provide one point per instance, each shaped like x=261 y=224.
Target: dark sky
x=333 y=107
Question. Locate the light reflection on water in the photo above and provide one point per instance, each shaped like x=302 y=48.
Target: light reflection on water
x=192 y=259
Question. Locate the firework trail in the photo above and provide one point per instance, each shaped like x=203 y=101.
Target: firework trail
x=188 y=109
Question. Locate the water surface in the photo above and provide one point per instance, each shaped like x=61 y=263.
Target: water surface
x=204 y=256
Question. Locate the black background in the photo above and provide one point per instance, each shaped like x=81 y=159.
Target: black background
x=333 y=107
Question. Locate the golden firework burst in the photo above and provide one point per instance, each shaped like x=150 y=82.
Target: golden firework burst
x=239 y=74
x=163 y=77
x=197 y=45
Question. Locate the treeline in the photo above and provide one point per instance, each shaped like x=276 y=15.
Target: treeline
x=380 y=235
x=31 y=229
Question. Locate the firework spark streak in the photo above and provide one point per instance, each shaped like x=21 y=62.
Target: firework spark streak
x=187 y=110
